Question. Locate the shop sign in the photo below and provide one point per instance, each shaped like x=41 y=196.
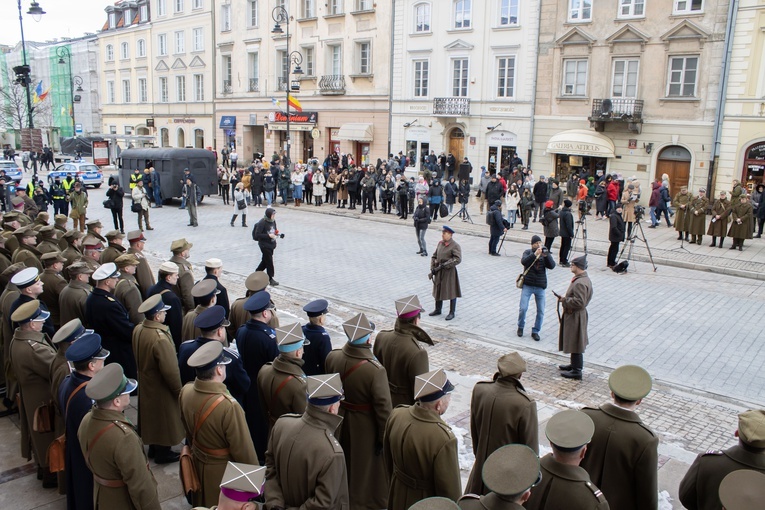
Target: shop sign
x=499 y=138
x=297 y=117
x=576 y=148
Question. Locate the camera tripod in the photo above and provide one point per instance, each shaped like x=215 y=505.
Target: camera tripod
x=581 y=225
x=462 y=213
x=631 y=242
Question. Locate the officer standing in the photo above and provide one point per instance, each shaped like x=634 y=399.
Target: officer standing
x=400 y=351
x=622 y=458
x=501 y=412
x=48 y=239
x=167 y=277
x=115 y=248
x=214 y=268
x=214 y=422
x=71 y=301
x=305 y=466
x=443 y=272
x=112 y=449
x=419 y=447
x=126 y=291
x=205 y=295
x=181 y=251
x=30 y=288
x=319 y=346
x=572 y=334
x=365 y=412
x=241 y=487
x=72 y=241
x=53 y=284
x=742 y=490
x=564 y=483
x=254 y=283
x=159 y=418
x=26 y=252
x=143 y=274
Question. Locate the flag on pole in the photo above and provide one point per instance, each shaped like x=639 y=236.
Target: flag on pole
x=294 y=103
x=38 y=92
x=276 y=103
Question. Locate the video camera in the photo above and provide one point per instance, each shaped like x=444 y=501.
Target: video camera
x=583 y=207
x=639 y=212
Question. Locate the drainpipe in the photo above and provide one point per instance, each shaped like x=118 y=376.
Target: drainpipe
x=390 y=71
x=214 y=76
x=730 y=27
x=534 y=89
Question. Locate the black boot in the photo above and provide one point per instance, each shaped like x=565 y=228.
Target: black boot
x=164 y=455
x=244 y=220
x=699 y=240
x=686 y=237
x=574 y=373
x=714 y=242
x=437 y=311
x=565 y=368
x=680 y=236
x=233 y=219
x=452 y=309
x=721 y=241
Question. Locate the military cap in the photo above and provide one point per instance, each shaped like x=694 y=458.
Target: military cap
x=205 y=288
x=511 y=470
x=179 y=245
x=751 y=428
x=11 y=270
x=358 y=329
x=135 y=235
x=73 y=234
x=580 y=262
x=213 y=263
x=92 y=243
x=570 y=430
x=324 y=389
x=153 y=305
x=10 y=216
x=26 y=278
x=79 y=267
x=258 y=302
x=408 y=307
x=27 y=231
x=126 y=259
x=743 y=489
x=17 y=201
x=447 y=228
x=630 y=382
x=87 y=347
x=53 y=257
x=242 y=482
x=208 y=356
x=435 y=503
x=511 y=364
x=211 y=318
x=70 y=332
x=432 y=385
x=93 y=224
x=109 y=383
x=169 y=267
x=257 y=281
x=104 y=271
x=290 y=338
x=114 y=234
x=60 y=219
x=28 y=312
x=47 y=231
x=316 y=308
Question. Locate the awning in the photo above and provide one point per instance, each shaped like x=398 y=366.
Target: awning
x=359 y=132
x=581 y=142
x=228 y=122
x=282 y=126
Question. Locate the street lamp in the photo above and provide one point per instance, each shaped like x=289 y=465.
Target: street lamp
x=62 y=52
x=280 y=15
x=36 y=11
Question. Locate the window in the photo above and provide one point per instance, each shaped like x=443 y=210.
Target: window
x=309 y=8
x=625 y=78
x=180 y=42
x=198 y=39
x=143 y=93
x=682 y=76
x=197 y=4
x=462 y=13
x=252 y=13
x=253 y=69
x=226 y=73
x=144 y=13
x=161 y=7
x=112 y=20
x=199 y=138
x=282 y=62
x=335 y=7
x=163 y=90
x=180 y=89
x=688 y=6
x=140 y=48
x=199 y=88
x=309 y=62
x=336 y=60
x=113 y=129
x=422 y=18
x=127 y=16
x=460 y=77
x=125 y=91
x=225 y=18
x=364 y=53
x=162 y=44
x=363 y=5
x=178 y=5
x=124 y=51
x=128 y=130
x=508 y=13
x=574 y=77
x=109 y=53
x=421 y=76
x=506 y=77
x=579 y=10
x=110 y=92
x=631 y=8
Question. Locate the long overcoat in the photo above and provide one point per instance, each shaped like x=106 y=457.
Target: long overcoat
x=402 y=354
x=682 y=202
x=719 y=228
x=565 y=486
x=742 y=211
x=446 y=281
x=572 y=336
x=277 y=397
x=79 y=489
x=697 y=215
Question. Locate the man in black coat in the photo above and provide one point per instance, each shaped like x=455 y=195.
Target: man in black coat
x=265 y=233
x=319 y=344
x=213 y=268
x=497 y=228
x=566 y=233
x=615 y=235
x=494 y=190
x=167 y=277
x=540 y=197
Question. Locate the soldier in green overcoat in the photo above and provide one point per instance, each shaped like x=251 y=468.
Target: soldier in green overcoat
x=697 y=212
x=741 y=224
x=718 y=226
x=682 y=202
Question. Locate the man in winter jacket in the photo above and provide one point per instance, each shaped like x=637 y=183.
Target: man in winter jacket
x=485 y=179
x=566 y=233
x=265 y=233
x=653 y=203
x=615 y=235
x=556 y=194
x=540 y=197
x=494 y=190
x=497 y=228
x=536 y=262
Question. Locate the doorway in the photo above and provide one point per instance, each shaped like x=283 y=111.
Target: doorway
x=181 y=138
x=674 y=161
x=754 y=166
x=457 y=144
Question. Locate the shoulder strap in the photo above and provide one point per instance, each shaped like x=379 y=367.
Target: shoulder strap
x=206 y=414
x=280 y=388
x=94 y=441
x=532 y=265
x=78 y=388
x=163 y=291
x=352 y=369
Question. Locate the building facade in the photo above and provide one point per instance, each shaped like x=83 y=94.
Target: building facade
x=463 y=75
x=630 y=88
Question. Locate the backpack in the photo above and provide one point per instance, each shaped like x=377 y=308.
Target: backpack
x=621 y=267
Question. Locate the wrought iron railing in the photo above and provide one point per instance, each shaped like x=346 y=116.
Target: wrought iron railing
x=451 y=106
x=227 y=89
x=281 y=82
x=617 y=109
x=332 y=84
x=253 y=87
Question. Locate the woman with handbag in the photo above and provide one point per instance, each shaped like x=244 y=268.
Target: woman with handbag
x=331 y=186
x=241 y=197
x=141 y=205
x=115 y=193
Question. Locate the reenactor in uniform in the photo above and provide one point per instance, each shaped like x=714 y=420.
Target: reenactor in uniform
x=126 y=291
x=697 y=216
x=31 y=355
x=319 y=346
x=241 y=487
x=622 y=458
x=115 y=248
x=699 y=487
x=59 y=223
x=72 y=251
x=365 y=412
x=213 y=269
x=26 y=252
x=205 y=294
x=11 y=223
x=5 y=255
x=167 y=277
x=742 y=490
x=256 y=343
x=71 y=301
x=181 y=249
x=48 y=240
x=305 y=465
x=7 y=298
x=212 y=324
x=41 y=220
x=112 y=449
x=53 y=284
x=91 y=252
x=682 y=202
x=401 y=352
x=443 y=271
x=509 y=474
x=87 y=358
x=741 y=223
x=436 y=503
x=110 y=319
x=255 y=282
x=30 y=287
x=564 y=483
x=718 y=226
x=573 y=335
x=501 y=412
x=143 y=274
x=281 y=383
x=94 y=228
x=214 y=422
x=159 y=417
x=419 y=448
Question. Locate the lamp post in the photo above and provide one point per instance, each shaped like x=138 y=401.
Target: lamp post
x=62 y=52
x=36 y=11
x=280 y=15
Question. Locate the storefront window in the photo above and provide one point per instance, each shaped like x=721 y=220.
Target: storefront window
x=754 y=166
x=584 y=166
x=411 y=152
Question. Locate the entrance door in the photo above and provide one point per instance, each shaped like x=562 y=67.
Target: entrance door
x=457 y=144
x=676 y=163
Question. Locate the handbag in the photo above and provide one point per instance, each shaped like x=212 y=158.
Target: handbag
x=521 y=277
x=57 y=450
x=241 y=204
x=443 y=210
x=136 y=207
x=188 y=472
x=108 y=203
x=43 y=418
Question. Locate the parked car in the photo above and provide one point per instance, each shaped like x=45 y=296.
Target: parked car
x=12 y=170
x=87 y=173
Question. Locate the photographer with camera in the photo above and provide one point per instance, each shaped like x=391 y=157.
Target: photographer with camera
x=536 y=262
x=615 y=235
x=265 y=233
x=497 y=226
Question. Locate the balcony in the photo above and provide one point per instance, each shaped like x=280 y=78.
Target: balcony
x=281 y=83
x=617 y=110
x=227 y=89
x=332 y=85
x=451 y=106
x=253 y=86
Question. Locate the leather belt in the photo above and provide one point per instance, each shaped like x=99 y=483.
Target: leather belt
x=114 y=484
x=220 y=452
x=363 y=408
x=398 y=390
x=411 y=482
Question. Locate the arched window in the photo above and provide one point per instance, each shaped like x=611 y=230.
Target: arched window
x=463 y=13
x=422 y=18
x=164 y=135
x=109 y=53
x=124 y=51
x=140 y=48
x=199 y=138
x=181 y=138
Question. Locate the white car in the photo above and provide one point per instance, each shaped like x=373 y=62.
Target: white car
x=87 y=173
